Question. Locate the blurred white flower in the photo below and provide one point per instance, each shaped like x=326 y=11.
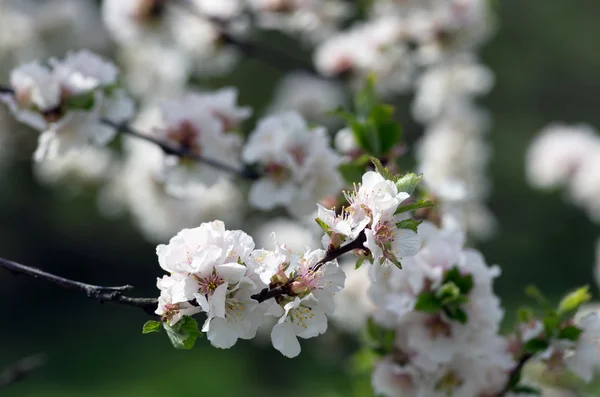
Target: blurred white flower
x=299 y=165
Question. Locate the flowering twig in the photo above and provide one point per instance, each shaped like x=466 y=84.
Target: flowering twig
x=331 y=254
x=123 y=128
x=95 y=292
x=245 y=173
x=21 y=369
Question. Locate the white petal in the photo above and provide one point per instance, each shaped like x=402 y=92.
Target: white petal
x=284 y=339
x=217 y=301
x=406 y=243
x=231 y=272
x=220 y=334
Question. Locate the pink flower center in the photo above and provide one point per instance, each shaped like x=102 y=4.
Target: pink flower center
x=208 y=285
x=186 y=136
x=438 y=328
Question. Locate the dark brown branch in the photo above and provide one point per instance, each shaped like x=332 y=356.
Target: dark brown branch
x=332 y=254
x=6 y=90
x=245 y=173
x=95 y=292
x=20 y=370
x=515 y=374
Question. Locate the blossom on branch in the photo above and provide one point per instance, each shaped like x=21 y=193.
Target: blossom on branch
x=66 y=101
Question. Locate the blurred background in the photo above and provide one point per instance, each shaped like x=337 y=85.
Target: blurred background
x=546 y=66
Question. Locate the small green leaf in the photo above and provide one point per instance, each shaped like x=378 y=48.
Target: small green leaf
x=362 y=361
x=351 y=172
x=388 y=130
x=408 y=182
x=384 y=172
x=525 y=315
x=359 y=263
x=366 y=98
x=410 y=224
x=183 y=335
x=324 y=226
x=527 y=390
x=571 y=302
x=533 y=292
x=534 y=346
x=427 y=302
x=570 y=332
x=84 y=101
x=151 y=326
x=456 y=314
x=551 y=323
x=463 y=282
x=414 y=206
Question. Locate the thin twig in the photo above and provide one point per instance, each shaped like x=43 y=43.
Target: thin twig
x=95 y=292
x=245 y=173
x=21 y=369
x=332 y=254
x=515 y=374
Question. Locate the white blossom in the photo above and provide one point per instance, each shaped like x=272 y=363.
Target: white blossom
x=299 y=164
x=67 y=102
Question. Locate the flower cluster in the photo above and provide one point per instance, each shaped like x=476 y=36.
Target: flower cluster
x=445 y=322
x=297 y=161
x=219 y=272
x=375 y=216
x=67 y=100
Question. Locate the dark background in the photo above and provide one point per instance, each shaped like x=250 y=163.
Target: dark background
x=546 y=60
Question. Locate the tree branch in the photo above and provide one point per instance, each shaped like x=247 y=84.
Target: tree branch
x=245 y=173
x=21 y=369
x=95 y=292
x=515 y=374
x=332 y=254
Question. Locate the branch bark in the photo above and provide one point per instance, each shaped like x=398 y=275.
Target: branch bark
x=95 y=292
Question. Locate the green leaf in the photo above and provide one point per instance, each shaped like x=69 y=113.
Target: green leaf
x=571 y=302
x=84 y=101
x=463 y=282
x=352 y=172
x=456 y=314
x=427 y=302
x=551 y=323
x=151 y=326
x=359 y=263
x=365 y=136
x=525 y=315
x=410 y=224
x=388 y=129
x=534 y=346
x=570 y=332
x=413 y=206
x=183 y=335
x=409 y=182
x=382 y=339
x=527 y=390
x=362 y=361
x=343 y=114
x=533 y=292
x=384 y=172
x=366 y=98
x=324 y=226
